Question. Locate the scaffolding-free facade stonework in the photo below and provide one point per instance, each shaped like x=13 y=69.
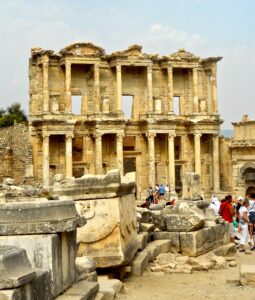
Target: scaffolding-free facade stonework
x=173 y=127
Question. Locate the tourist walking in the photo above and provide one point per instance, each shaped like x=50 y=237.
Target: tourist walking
x=251 y=214
x=227 y=212
x=161 y=191
x=243 y=226
x=215 y=205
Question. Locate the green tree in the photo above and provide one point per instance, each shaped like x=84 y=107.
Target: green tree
x=13 y=113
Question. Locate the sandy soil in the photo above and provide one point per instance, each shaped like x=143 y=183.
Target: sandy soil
x=198 y=285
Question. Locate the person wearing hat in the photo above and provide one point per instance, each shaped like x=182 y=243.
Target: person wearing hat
x=243 y=227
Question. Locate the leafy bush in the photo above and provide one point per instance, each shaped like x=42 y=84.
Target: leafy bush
x=13 y=113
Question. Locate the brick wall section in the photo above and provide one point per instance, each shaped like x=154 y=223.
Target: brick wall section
x=16 y=153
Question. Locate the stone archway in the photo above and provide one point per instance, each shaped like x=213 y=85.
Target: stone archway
x=249 y=190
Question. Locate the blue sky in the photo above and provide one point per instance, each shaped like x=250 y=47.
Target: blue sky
x=205 y=27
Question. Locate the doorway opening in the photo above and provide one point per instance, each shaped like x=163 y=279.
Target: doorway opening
x=127 y=105
x=250 y=190
x=176 y=105
x=129 y=164
x=76 y=104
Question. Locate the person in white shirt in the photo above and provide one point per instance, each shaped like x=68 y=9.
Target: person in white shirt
x=251 y=214
x=243 y=226
x=215 y=205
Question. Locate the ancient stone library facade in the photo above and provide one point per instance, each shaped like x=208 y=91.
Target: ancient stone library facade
x=157 y=116
x=172 y=126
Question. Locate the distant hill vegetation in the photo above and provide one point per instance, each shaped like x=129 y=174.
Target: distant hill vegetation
x=12 y=114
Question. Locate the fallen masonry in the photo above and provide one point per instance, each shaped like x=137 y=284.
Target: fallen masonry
x=63 y=237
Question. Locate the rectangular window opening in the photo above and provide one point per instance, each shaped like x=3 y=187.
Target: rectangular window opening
x=127 y=105
x=76 y=104
x=176 y=105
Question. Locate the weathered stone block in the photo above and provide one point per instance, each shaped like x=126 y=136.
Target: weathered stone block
x=54 y=252
x=247 y=275
x=184 y=218
x=110 y=233
x=191 y=186
x=174 y=237
x=140 y=263
x=15 y=268
x=87 y=290
x=142 y=239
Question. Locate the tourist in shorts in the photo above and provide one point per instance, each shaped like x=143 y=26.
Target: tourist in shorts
x=227 y=212
x=251 y=215
x=243 y=226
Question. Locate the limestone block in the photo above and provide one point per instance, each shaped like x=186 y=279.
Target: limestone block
x=146 y=227
x=152 y=217
x=247 y=275
x=54 y=252
x=142 y=239
x=174 y=237
x=224 y=250
x=200 y=241
x=85 y=268
x=39 y=217
x=165 y=258
x=87 y=289
x=15 y=268
x=184 y=218
x=157 y=247
x=191 y=186
x=140 y=263
x=110 y=288
x=9 y=181
x=41 y=285
x=110 y=233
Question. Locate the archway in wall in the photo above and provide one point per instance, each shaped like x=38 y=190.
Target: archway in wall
x=250 y=189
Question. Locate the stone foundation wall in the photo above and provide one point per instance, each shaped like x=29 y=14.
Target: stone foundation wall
x=16 y=153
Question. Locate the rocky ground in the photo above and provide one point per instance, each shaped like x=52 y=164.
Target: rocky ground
x=213 y=284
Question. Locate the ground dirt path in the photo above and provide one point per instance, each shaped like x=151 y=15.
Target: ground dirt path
x=198 y=285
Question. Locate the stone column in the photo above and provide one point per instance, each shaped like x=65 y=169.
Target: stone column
x=119 y=88
x=84 y=105
x=45 y=163
x=119 y=150
x=197 y=137
x=216 y=172
x=195 y=90
x=151 y=149
x=45 y=87
x=98 y=153
x=96 y=88
x=171 y=161
x=170 y=89
x=69 y=156
x=149 y=88
x=68 y=108
x=214 y=89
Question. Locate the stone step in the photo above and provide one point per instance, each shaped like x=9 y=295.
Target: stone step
x=140 y=263
x=82 y=290
x=157 y=247
x=146 y=227
x=110 y=288
x=142 y=239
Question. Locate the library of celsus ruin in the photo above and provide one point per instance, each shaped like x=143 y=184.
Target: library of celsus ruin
x=153 y=115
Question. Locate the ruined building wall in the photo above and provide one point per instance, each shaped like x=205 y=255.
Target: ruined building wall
x=226 y=175
x=16 y=153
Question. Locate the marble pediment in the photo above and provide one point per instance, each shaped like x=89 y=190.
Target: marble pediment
x=83 y=49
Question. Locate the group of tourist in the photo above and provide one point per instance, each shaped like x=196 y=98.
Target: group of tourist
x=159 y=192
x=240 y=213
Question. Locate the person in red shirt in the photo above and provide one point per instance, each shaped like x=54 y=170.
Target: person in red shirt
x=227 y=212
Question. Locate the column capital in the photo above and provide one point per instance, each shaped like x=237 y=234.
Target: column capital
x=69 y=136
x=151 y=134
x=118 y=67
x=149 y=68
x=45 y=59
x=197 y=134
x=97 y=135
x=171 y=135
x=120 y=135
x=68 y=63
x=46 y=136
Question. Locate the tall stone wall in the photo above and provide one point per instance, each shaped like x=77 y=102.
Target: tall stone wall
x=16 y=153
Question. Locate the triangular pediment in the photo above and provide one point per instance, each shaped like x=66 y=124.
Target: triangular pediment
x=182 y=54
x=83 y=49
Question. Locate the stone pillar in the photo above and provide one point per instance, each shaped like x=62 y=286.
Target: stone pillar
x=45 y=87
x=171 y=161
x=195 y=90
x=96 y=88
x=98 y=153
x=216 y=172
x=170 y=89
x=149 y=88
x=197 y=153
x=119 y=88
x=68 y=104
x=214 y=89
x=84 y=104
x=69 y=156
x=151 y=149
x=119 y=150
x=45 y=163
